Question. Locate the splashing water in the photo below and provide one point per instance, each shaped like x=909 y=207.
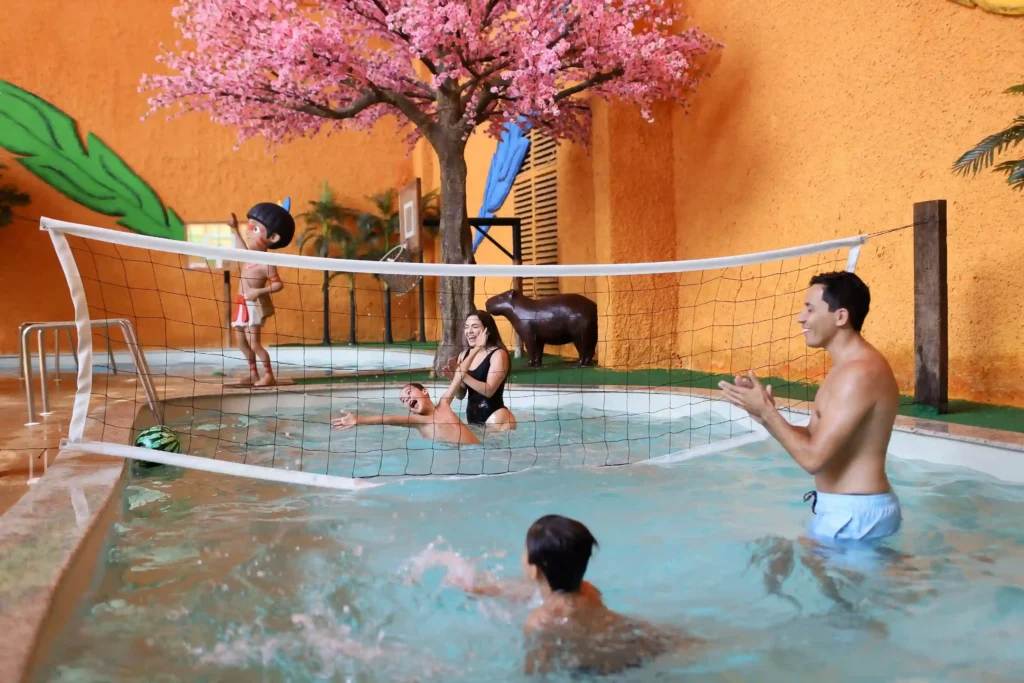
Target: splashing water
x=228 y=578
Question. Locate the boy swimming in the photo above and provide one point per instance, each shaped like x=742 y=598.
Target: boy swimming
x=572 y=629
x=434 y=422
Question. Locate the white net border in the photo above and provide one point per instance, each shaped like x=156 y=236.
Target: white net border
x=75 y=442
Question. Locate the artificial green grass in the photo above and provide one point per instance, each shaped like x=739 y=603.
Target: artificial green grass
x=558 y=372
x=971 y=414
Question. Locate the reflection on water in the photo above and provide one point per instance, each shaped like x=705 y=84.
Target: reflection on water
x=217 y=578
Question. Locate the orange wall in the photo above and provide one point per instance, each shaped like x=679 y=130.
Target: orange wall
x=86 y=58
x=820 y=121
x=831 y=119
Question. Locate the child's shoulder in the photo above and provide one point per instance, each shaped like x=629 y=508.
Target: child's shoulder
x=536 y=620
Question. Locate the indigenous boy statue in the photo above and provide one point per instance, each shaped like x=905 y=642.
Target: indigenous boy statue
x=270 y=226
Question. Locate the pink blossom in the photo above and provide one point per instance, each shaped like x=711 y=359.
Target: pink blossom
x=282 y=69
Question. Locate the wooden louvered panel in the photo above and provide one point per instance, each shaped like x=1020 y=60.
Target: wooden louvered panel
x=543 y=148
x=545 y=219
x=535 y=193
x=528 y=159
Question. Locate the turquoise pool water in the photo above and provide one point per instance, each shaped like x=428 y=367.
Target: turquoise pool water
x=301 y=438
x=214 y=578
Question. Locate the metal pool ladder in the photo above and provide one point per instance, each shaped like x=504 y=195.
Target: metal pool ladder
x=131 y=339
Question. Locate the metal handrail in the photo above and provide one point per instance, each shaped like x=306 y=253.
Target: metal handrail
x=131 y=339
x=56 y=351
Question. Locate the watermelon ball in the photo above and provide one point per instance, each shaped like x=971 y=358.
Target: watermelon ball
x=158 y=438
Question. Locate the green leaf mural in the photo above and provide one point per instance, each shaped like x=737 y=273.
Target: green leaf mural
x=47 y=144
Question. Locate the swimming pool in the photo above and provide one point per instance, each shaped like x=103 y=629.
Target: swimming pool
x=212 y=577
x=302 y=361
x=556 y=428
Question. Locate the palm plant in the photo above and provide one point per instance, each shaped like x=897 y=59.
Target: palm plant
x=10 y=197
x=983 y=154
x=379 y=231
x=325 y=229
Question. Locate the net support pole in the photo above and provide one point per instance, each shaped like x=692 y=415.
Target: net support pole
x=931 y=339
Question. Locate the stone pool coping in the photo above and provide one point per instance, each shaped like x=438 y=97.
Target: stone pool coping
x=61 y=522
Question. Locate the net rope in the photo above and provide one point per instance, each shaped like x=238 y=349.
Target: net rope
x=668 y=332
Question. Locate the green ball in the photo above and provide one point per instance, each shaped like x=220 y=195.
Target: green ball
x=159 y=438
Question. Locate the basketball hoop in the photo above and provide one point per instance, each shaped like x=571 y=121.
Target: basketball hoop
x=399 y=284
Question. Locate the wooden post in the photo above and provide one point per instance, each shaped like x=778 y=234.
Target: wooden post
x=517 y=282
x=931 y=339
x=423 y=314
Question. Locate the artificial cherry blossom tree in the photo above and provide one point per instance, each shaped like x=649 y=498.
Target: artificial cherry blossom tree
x=282 y=69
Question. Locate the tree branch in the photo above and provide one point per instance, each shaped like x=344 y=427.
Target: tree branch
x=488 y=98
x=412 y=112
x=352 y=110
x=491 y=4
x=596 y=79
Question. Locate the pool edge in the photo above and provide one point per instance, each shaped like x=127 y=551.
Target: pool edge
x=77 y=494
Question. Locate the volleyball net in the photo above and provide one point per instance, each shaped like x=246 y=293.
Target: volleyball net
x=628 y=373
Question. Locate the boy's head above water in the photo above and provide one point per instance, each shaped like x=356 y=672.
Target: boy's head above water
x=558 y=550
x=414 y=396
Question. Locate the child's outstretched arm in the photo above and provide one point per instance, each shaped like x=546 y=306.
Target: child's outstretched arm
x=348 y=420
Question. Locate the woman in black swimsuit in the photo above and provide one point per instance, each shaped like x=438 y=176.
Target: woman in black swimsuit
x=482 y=372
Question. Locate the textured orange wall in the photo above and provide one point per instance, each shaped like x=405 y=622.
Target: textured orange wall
x=86 y=58
x=820 y=121
x=832 y=119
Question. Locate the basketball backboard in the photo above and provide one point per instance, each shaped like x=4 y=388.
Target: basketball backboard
x=410 y=222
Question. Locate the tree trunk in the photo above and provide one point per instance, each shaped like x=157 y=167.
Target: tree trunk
x=327 y=308
x=351 y=314
x=456 y=293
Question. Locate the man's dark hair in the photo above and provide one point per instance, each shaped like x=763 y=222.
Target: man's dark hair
x=845 y=290
x=560 y=548
x=417 y=385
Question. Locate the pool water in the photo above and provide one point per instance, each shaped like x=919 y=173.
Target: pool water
x=301 y=438
x=208 y=577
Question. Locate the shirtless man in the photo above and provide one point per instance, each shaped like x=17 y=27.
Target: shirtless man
x=270 y=226
x=845 y=444
x=434 y=422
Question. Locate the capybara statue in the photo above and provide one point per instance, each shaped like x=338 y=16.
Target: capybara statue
x=561 y=319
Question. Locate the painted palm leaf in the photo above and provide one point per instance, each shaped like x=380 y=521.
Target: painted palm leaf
x=47 y=143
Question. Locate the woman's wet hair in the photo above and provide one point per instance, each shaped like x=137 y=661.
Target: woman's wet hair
x=487 y=320
x=560 y=548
